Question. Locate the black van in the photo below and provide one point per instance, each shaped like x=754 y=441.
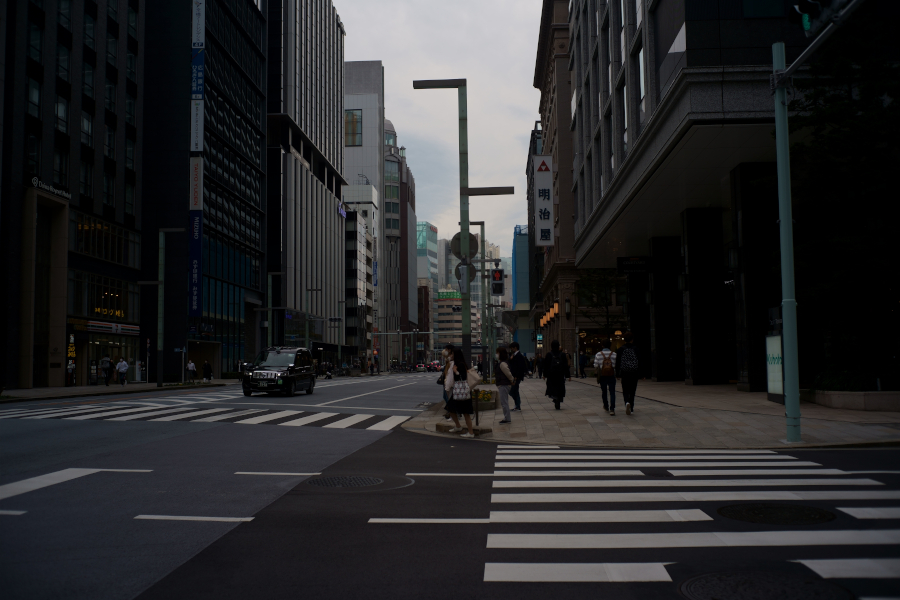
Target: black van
x=284 y=369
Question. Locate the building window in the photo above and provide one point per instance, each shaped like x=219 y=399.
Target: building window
x=609 y=57
x=624 y=120
x=98 y=297
x=131 y=66
x=129 y=110
x=35 y=37
x=89 y=31
x=110 y=102
x=109 y=189
x=33 y=155
x=112 y=48
x=638 y=12
x=86 y=180
x=87 y=129
x=132 y=22
x=129 y=154
x=622 y=31
x=62 y=62
x=65 y=13
x=112 y=9
x=390 y=139
x=640 y=74
x=396 y=224
x=93 y=237
x=34 y=98
x=129 y=199
x=61 y=167
x=62 y=114
x=87 y=80
x=391 y=171
x=353 y=127
x=109 y=148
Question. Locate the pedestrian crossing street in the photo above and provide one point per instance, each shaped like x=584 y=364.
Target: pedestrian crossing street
x=553 y=521
x=195 y=412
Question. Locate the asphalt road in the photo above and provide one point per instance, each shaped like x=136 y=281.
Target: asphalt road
x=440 y=518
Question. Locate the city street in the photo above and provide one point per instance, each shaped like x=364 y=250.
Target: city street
x=159 y=501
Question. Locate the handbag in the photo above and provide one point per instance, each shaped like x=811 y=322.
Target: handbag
x=440 y=380
x=473 y=379
x=461 y=390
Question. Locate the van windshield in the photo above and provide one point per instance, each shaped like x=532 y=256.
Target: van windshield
x=275 y=359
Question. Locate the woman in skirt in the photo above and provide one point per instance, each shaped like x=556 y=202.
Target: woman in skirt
x=457 y=374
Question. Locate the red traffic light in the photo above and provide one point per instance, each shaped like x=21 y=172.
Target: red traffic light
x=497 y=275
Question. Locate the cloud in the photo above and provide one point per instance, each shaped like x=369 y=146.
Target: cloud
x=490 y=43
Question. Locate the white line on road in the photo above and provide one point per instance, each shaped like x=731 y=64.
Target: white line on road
x=112 y=413
x=345 y=423
x=13 y=414
x=179 y=518
x=719 y=539
x=67 y=411
x=13 y=513
x=153 y=413
x=41 y=481
x=366 y=394
x=269 y=417
x=431 y=521
x=529 y=447
x=879 y=512
x=576 y=572
x=681 y=483
x=648 y=464
x=558 y=450
x=854 y=568
x=191 y=414
x=600 y=516
x=387 y=424
x=308 y=419
x=415 y=410
x=239 y=413
x=780 y=471
x=695 y=496
x=281 y=474
x=633 y=473
x=773 y=457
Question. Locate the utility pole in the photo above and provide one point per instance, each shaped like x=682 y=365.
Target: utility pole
x=306 y=316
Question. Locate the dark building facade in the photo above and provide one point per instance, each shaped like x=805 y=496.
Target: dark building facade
x=208 y=170
x=71 y=214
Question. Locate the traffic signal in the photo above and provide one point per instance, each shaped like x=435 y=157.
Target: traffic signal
x=497 y=282
x=815 y=15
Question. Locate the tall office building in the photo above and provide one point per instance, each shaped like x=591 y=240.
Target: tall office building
x=427 y=260
x=524 y=332
x=70 y=218
x=205 y=154
x=359 y=289
x=306 y=217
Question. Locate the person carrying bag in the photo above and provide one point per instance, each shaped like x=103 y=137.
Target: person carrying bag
x=459 y=393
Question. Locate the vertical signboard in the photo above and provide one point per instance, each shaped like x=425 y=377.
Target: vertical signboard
x=198 y=54
x=195 y=235
x=543 y=200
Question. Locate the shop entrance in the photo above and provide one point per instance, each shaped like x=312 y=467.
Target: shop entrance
x=201 y=351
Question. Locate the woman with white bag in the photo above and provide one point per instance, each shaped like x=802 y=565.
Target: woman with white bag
x=459 y=394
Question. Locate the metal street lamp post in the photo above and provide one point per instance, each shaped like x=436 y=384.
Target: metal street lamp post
x=306 y=316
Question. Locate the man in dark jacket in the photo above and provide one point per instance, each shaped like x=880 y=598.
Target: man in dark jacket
x=556 y=371
x=519 y=367
x=628 y=371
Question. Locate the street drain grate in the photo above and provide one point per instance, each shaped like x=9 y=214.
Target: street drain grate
x=425 y=404
x=345 y=481
x=762 y=585
x=777 y=514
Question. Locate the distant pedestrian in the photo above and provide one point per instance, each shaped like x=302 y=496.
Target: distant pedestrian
x=539 y=365
x=628 y=370
x=505 y=380
x=371 y=368
x=457 y=386
x=191 y=370
x=519 y=367
x=446 y=367
x=122 y=369
x=556 y=371
x=605 y=363
x=582 y=363
x=106 y=369
x=207 y=371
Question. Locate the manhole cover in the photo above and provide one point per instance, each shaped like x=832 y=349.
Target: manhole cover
x=345 y=481
x=762 y=585
x=425 y=404
x=777 y=514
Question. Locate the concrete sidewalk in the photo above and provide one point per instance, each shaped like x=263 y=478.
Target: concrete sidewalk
x=673 y=415
x=57 y=393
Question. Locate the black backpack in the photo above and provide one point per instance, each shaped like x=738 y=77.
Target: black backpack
x=556 y=369
x=628 y=361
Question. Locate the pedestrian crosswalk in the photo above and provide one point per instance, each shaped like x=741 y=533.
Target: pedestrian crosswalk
x=195 y=413
x=660 y=517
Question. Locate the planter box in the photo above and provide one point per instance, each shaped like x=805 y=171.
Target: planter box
x=883 y=401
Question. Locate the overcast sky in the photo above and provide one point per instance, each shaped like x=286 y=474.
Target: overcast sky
x=491 y=43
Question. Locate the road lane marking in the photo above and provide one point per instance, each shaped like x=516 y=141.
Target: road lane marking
x=504 y=464
x=854 y=568
x=529 y=447
x=366 y=394
x=388 y=423
x=344 y=423
x=152 y=413
x=627 y=473
x=432 y=521
x=720 y=539
x=180 y=518
x=281 y=474
x=112 y=413
x=215 y=418
x=558 y=450
x=13 y=414
x=774 y=457
x=600 y=516
x=67 y=411
x=780 y=471
x=308 y=419
x=373 y=408
x=680 y=483
x=13 y=513
x=269 y=417
x=696 y=496
x=41 y=481
x=191 y=414
x=576 y=572
x=879 y=512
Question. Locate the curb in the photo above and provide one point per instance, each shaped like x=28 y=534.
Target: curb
x=112 y=393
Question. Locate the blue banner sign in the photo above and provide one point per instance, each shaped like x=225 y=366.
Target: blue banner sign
x=195 y=252
x=198 y=67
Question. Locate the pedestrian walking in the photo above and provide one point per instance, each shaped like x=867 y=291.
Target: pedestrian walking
x=191 y=370
x=582 y=363
x=539 y=365
x=457 y=387
x=371 y=369
x=447 y=357
x=605 y=363
x=505 y=380
x=628 y=370
x=519 y=368
x=207 y=371
x=556 y=371
x=122 y=369
x=106 y=369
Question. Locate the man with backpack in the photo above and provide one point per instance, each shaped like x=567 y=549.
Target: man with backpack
x=605 y=363
x=556 y=371
x=106 y=369
x=627 y=370
x=519 y=367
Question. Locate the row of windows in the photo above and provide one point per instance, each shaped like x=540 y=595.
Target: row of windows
x=217 y=21
x=94 y=237
x=231 y=170
x=64 y=14
x=97 y=297
x=223 y=319
x=391 y=171
x=226 y=214
x=231 y=126
x=224 y=259
x=222 y=74
x=353 y=127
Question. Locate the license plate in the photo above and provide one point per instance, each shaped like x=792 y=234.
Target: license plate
x=263 y=384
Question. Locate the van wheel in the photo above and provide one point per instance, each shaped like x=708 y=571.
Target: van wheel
x=290 y=391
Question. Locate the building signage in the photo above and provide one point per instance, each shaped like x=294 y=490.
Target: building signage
x=198 y=56
x=198 y=24
x=774 y=366
x=196 y=183
x=543 y=200
x=195 y=255
x=633 y=265
x=103 y=327
x=375 y=274
x=341 y=210
x=196 y=125
x=37 y=183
